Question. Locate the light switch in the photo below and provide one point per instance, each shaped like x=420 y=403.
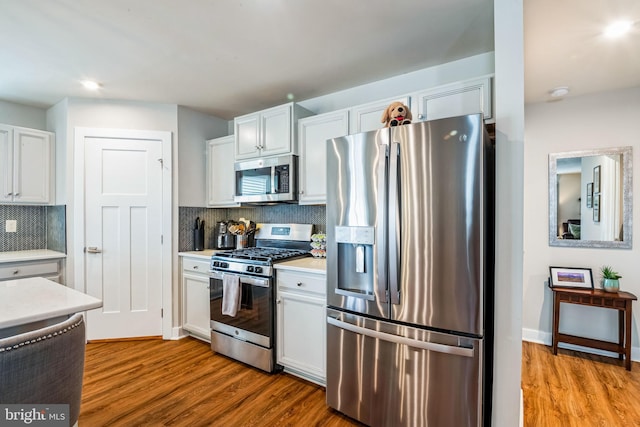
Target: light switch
x=11 y=226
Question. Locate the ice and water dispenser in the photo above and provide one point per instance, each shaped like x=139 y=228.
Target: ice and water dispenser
x=356 y=272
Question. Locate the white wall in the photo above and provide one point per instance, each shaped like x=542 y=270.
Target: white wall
x=22 y=115
x=509 y=118
x=608 y=119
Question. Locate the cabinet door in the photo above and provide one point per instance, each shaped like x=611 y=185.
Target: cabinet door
x=368 y=117
x=6 y=163
x=220 y=173
x=33 y=166
x=275 y=130
x=456 y=99
x=196 y=318
x=247 y=136
x=313 y=133
x=302 y=334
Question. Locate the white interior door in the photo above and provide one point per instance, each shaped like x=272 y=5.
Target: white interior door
x=123 y=236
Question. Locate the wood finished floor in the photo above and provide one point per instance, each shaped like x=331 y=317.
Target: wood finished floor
x=575 y=389
x=182 y=383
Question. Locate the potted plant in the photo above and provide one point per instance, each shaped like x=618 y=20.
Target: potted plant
x=610 y=282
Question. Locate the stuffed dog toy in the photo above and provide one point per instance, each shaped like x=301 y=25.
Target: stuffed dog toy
x=396 y=114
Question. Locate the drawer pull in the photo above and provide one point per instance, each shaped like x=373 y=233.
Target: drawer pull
x=195 y=267
x=16 y=272
x=299 y=283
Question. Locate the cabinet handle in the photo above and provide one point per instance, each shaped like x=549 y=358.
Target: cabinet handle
x=278 y=301
x=8 y=194
x=420 y=116
x=195 y=267
x=17 y=194
x=16 y=272
x=92 y=250
x=299 y=283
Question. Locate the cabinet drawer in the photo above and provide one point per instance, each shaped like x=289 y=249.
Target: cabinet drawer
x=306 y=282
x=195 y=266
x=16 y=271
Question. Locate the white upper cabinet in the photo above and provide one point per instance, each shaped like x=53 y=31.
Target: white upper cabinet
x=368 y=117
x=27 y=165
x=313 y=133
x=456 y=99
x=220 y=173
x=268 y=132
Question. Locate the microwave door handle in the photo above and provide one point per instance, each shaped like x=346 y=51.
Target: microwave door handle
x=274 y=181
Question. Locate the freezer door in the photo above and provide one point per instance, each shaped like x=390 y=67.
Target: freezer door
x=437 y=224
x=384 y=374
x=357 y=168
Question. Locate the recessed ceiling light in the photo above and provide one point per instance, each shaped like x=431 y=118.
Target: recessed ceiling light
x=90 y=84
x=559 y=91
x=618 y=28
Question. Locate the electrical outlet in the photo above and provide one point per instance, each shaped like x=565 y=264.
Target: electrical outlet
x=11 y=226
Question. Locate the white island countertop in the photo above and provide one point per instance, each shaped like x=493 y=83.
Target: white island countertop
x=35 y=299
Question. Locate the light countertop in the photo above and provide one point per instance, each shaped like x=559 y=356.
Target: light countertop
x=36 y=299
x=31 y=255
x=205 y=254
x=309 y=264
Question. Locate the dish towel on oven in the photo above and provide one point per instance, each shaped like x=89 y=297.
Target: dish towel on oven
x=231 y=294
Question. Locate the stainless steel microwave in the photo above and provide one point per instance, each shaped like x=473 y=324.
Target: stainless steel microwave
x=267 y=180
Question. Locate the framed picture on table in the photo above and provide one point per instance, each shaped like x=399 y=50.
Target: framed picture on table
x=569 y=277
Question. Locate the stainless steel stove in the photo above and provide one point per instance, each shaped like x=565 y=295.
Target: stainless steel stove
x=248 y=333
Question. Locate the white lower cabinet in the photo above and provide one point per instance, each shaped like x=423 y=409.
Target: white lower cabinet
x=301 y=324
x=51 y=269
x=195 y=298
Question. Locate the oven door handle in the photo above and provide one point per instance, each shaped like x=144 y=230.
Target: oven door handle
x=248 y=280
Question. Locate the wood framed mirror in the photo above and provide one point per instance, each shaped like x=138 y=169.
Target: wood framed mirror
x=590 y=198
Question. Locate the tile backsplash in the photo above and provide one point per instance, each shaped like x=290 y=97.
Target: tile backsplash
x=37 y=227
x=282 y=213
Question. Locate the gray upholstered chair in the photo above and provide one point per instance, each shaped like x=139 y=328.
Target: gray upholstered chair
x=45 y=366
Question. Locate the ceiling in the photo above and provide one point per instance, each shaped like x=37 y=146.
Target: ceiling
x=228 y=58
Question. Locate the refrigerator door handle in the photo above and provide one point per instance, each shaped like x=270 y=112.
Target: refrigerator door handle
x=381 y=238
x=431 y=346
x=394 y=221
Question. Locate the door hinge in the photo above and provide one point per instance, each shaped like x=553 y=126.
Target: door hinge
x=162 y=312
x=161 y=239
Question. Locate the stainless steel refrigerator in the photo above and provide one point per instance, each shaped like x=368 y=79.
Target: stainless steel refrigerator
x=410 y=274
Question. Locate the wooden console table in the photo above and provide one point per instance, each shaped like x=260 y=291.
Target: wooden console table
x=621 y=301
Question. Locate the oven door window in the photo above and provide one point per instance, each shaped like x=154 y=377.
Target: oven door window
x=254 y=314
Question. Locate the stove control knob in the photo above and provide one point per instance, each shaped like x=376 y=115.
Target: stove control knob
x=224 y=265
x=258 y=269
x=215 y=264
x=250 y=268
